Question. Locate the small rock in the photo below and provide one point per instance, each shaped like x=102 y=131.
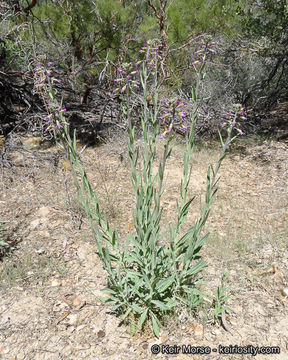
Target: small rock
x=101 y=334
x=73 y=319
x=32 y=143
x=55 y=282
x=284 y=291
x=3 y=350
x=21 y=355
x=34 y=224
x=44 y=234
x=198 y=331
x=77 y=301
x=39 y=251
x=44 y=211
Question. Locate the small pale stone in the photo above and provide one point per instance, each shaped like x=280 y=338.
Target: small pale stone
x=32 y=143
x=76 y=301
x=21 y=355
x=284 y=291
x=73 y=319
x=55 y=283
x=34 y=224
x=44 y=234
x=43 y=211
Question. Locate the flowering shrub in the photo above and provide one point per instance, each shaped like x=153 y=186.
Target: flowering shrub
x=156 y=269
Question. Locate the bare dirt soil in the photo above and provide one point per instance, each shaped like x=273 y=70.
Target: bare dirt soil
x=51 y=280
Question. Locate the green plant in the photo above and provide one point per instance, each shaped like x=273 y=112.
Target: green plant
x=220 y=300
x=2 y=229
x=156 y=269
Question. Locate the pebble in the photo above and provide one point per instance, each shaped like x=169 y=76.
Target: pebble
x=284 y=291
x=43 y=211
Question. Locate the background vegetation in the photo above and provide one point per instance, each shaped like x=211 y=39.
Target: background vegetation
x=88 y=39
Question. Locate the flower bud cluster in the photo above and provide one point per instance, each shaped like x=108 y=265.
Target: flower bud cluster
x=153 y=51
x=174 y=111
x=44 y=83
x=45 y=72
x=128 y=78
x=233 y=117
x=206 y=50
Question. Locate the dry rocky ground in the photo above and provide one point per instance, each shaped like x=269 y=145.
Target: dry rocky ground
x=51 y=281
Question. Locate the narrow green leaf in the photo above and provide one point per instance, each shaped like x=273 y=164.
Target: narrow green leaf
x=126 y=313
x=161 y=305
x=221 y=139
x=164 y=284
x=136 y=309
x=155 y=325
x=142 y=319
x=195 y=269
x=194 y=95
